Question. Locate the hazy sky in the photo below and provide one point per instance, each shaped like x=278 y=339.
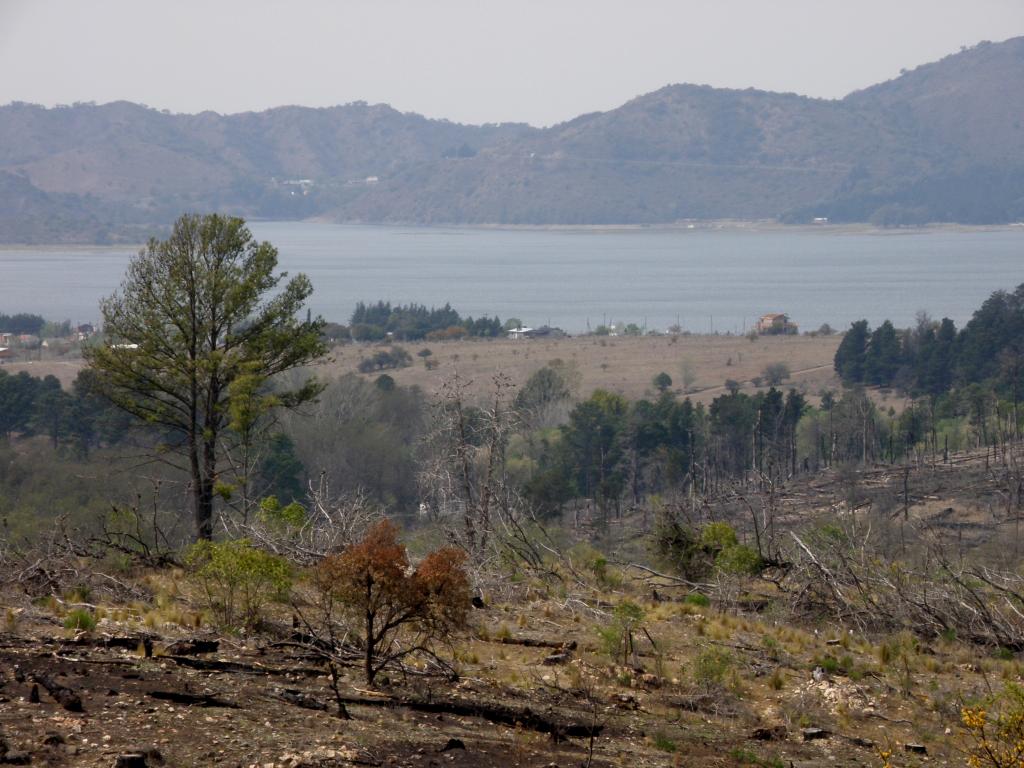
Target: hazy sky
x=540 y=61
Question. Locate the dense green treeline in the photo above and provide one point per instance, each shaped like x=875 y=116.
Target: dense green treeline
x=612 y=451
x=934 y=358
x=21 y=323
x=79 y=420
x=372 y=322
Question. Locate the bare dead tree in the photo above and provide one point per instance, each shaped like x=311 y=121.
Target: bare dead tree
x=463 y=481
x=932 y=595
x=330 y=523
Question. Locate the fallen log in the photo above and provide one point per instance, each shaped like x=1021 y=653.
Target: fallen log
x=192 y=647
x=129 y=642
x=492 y=711
x=193 y=699
x=531 y=642
x=299 y=699
x=218 y=665
x=556 y=658
x=63 y=695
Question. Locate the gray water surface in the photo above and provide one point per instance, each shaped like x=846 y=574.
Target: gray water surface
x=707 y=279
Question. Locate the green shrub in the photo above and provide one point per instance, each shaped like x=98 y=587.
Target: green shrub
x=79 y=594
x=272 y=513
x=664 y=743
x=698 y=599
x=676 y=546
x=605 y=577
x=830 y=664
x=396 y=357
x=719 y=540
x=718 y=536
x=771 y=646
x=738 y=559
x=617 y=638
x=80 y=618
x=711 y=667
x=238 y=579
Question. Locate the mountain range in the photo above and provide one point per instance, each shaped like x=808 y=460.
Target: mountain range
x=941 y=143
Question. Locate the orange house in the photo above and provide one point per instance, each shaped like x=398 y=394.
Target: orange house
x=775 y=323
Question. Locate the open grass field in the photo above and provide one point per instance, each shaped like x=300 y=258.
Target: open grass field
x=621 y=364
x=64 y=369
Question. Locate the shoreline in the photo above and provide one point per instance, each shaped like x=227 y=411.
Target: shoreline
x=753 y=227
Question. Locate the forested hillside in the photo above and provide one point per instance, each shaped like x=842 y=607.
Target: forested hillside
x=940 y=143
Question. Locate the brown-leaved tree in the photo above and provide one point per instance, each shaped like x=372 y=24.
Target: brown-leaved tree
x=396 y=611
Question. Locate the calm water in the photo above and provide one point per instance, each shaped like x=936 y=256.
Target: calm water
x=706 y=279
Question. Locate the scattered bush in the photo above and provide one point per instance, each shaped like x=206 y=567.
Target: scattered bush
x=617 y=638
x=664 y=743
x=696 y=598
x=238 y=580
x=775 y=373
x=273 y=514
x=662 y=381
x=994 y=730
x=385 y=359
x=81 y=619
x=830 y=664
x=718 y=536
x=677 y=547
x=739 y=560
x=451 y=333
x=719 y=540
x=710 y=668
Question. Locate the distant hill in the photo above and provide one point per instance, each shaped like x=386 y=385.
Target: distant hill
x=943 y=142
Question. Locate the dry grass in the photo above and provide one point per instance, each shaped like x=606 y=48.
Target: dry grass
x=621 y=364
x=64 y=370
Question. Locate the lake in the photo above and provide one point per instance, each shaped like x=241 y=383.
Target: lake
x=707 y=279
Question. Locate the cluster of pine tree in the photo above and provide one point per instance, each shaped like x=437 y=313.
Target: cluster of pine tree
x=409 y=322
x=21 y=323
x=611 y=449
x=78 y=419
x=935 y=358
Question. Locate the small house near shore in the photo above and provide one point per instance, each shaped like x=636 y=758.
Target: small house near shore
x=520 y=333
x=776 y=323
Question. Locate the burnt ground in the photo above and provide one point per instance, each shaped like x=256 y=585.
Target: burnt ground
x=238 y=717
x=243 y=722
